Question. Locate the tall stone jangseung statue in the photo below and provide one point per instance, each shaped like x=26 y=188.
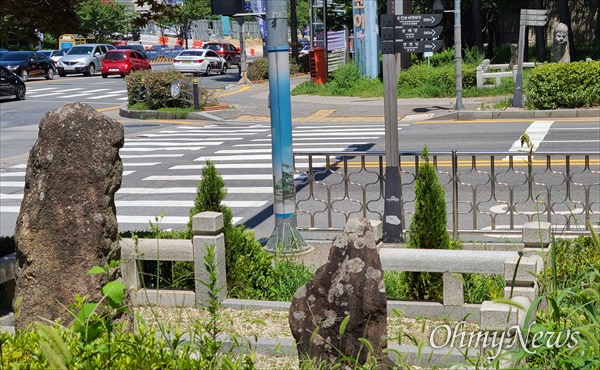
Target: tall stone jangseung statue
x=67 y=222
x=560 y=44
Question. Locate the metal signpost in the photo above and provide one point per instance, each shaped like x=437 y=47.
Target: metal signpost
x=529 y=17
x=409 y=33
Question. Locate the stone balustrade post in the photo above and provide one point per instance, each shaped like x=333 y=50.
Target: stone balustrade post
x=208 y=228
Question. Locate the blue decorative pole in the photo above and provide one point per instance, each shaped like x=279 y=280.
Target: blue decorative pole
x=285 y=236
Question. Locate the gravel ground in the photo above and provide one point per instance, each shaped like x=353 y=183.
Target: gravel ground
x=274 y=324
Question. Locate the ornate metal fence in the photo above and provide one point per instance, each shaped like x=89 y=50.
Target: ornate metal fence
x=486 y=192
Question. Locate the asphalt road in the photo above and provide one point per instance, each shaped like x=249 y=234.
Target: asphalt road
x=163 y=159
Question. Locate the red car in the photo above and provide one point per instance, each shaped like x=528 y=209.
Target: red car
x=228 y=51
x=123 y=62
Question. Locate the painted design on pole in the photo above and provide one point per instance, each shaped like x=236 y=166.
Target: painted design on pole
x=285 y=236
x=260 y=6
x=366 y=37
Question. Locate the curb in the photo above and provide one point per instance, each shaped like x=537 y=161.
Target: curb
x=152 y=114
x=519 y=113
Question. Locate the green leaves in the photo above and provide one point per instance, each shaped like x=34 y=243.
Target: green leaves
x=564 y=85
x=114 y=291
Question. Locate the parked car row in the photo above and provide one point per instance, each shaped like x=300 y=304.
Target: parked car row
x=20 y=66
x=28 y=64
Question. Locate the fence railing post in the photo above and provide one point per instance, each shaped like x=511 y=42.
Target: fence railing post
x=208 y=228
x=454 y=195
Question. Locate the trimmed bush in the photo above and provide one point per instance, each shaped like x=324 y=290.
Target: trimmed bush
x=258 y=70
x=564 y=85
x=157 y=85
x=424 y=81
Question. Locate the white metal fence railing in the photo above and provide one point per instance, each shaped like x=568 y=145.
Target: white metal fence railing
x=486 y=192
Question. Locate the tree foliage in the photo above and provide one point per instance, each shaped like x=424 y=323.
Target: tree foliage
x=21 y=20
x=104 y=19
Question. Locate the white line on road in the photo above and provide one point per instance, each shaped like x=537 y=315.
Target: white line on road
x=126 y=156
x=572 y=141
x=310 y=150
x=214 y=129
x=169 y=143
x=12 y=174
x=198 y=177
x=124 y=219
x=40 y=89
x=140 y=164
x=11 y=196
x=325 y=138
x=156 y=149
x=258 y=157
x=339 y=133
x=194 y=190
x=221 y=166
x=181 y=133
x=303 y=144
x=536 y=131
x=109 y=95
x=42 y=95
x=12 y=184
x=186 y=203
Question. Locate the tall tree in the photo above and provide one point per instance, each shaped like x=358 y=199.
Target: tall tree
x=477 y=28
x=540 y=35
x=163 y=13
x=104 y=19
x=564 y=15
x=21 y=20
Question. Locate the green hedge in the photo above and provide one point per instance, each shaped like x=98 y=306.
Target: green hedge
x=157 y=84
x=434 y=82
x=564 y=85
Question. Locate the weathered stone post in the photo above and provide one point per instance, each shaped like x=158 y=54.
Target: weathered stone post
x=68 y=221
x=207 y=228
x=350 y=284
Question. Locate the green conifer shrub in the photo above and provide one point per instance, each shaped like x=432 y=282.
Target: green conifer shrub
x=427 y=229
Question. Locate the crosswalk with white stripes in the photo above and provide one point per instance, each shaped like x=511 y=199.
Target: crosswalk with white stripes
x=162 y=169
x=76 y=93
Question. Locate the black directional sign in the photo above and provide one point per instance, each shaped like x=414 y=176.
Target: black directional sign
x=411 y=33
x=418 y=20
x=418 y=46
x=533 y=17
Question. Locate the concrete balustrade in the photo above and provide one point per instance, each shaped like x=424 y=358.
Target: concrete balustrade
x=207 y=228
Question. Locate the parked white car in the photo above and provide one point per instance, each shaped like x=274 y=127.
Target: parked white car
x=200 y=61
x=84 y=58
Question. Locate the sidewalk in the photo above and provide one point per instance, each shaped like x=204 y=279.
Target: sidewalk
x=249 y=103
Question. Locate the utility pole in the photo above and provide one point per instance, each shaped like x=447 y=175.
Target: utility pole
x=393 y=212
x=294 y=29
x=285 y=236
x=458 y=56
